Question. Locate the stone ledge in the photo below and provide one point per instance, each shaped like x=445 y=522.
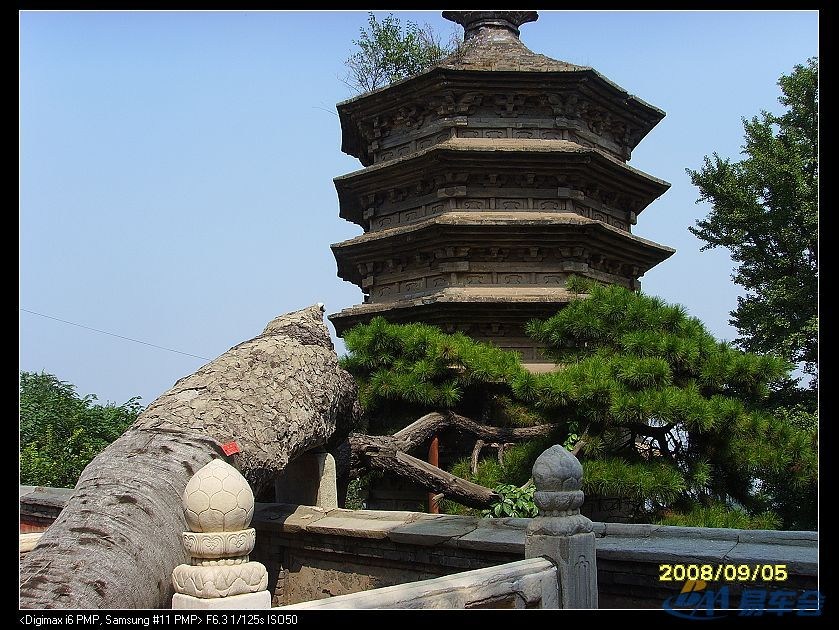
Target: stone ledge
x=283 y=517
x=502 y=539
x=768 y=536
x=43 y=501
x=619 y=542
x=356 y=526
x=673 y=550
x=433 y=531
x=799 y=560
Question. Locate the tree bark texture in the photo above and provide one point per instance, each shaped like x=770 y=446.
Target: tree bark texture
x=118 y=539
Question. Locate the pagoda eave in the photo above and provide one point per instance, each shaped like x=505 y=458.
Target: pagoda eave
x=500 y=230
x=474 y=304
x=585 y=81
x=476 y=155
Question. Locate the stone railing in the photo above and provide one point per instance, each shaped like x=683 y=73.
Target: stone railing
x=524 y=584
x=313 y=552
x=559 y=570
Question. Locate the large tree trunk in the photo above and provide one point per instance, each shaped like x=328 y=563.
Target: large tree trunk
x=119 y=537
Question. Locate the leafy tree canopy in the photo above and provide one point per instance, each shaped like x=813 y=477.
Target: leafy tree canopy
x=765 y=212
x=61 y=432
x=417 y=367
x=387 y=52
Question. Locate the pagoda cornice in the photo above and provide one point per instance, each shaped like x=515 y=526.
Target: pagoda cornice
x=443 y=170
x=478 y=305
x=457 y=235
x=568 y=92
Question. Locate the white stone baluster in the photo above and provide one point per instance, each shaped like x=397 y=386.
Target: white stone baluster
x=218 y=505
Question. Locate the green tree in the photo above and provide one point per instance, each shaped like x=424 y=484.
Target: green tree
x=765 y=211
x=663 y=416
x=387 y=52
x=671 y=418
x=61 y=432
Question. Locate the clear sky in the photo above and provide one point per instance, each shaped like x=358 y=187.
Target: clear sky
x=176 y=168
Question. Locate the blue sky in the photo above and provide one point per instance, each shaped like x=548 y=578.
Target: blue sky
x=176 y=167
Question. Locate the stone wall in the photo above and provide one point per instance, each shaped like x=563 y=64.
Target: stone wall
x=312 y=553
x=40 y=506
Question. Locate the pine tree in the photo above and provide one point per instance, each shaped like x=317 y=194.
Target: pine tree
x=670 y=417
x=405 y=370
x=679 y=425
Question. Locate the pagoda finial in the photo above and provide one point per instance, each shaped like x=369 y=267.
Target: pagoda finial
x=473 y=21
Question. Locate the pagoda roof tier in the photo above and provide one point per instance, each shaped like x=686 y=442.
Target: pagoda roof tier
x=497 y=229
x=450 y=163
x=467 y=304
x=494 y=62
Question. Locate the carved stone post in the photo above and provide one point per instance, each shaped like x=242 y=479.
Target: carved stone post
x=560 y=532
x=218 y=505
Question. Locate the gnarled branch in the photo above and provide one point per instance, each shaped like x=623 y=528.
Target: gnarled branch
x=389 y=452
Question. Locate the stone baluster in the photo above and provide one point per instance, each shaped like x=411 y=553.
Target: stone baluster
x=560 y=532
x=218 y=505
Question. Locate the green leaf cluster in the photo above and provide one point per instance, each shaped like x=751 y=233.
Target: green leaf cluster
x=515 y=502
x=764 y=210
x=61 y=432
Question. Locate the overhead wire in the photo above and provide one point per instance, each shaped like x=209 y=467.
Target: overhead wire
x=105 y=332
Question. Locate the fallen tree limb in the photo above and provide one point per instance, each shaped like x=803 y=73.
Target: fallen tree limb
x=433 y=478
x=118 y=538
x=389 y=452
x=419 y=431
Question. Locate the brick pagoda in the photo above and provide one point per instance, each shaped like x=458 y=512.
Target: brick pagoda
x=488 y=180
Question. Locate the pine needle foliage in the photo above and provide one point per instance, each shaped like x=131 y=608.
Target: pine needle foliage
x=421 y=365
x=671 y=414
x=720 y=515
x=671 y=420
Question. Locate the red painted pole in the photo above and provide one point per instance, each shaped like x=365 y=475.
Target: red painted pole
x=433 y=453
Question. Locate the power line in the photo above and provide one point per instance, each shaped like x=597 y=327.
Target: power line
x=105 y=332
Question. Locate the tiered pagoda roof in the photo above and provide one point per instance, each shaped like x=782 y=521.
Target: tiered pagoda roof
x=489 y=179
